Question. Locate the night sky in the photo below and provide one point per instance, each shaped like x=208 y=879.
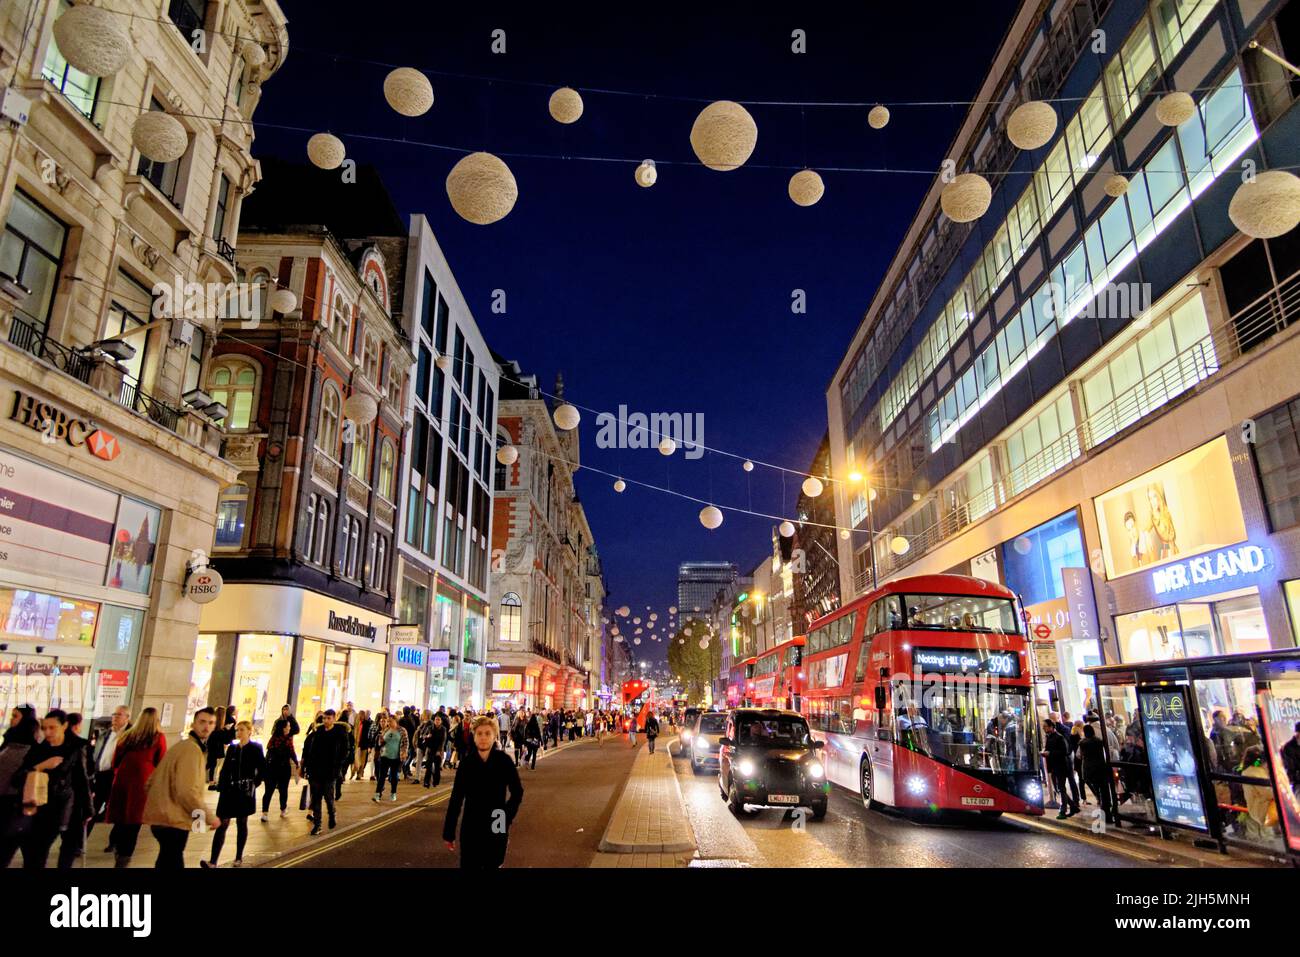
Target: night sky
x=675 y=298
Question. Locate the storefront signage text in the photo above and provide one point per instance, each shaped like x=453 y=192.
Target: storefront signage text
x=1226 y=563
x=55 y=426
x=203 y=585
x=352 y=625
x=412 y=656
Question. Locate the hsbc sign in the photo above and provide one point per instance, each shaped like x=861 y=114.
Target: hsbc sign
x=203 y=585
x=58 y=427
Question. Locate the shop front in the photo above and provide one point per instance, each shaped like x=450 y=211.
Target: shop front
x=264 y=646
x=409 y=665
x=506 y=686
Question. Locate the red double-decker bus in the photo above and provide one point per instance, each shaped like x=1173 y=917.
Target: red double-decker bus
x=747 y=682
x=778 y=675
x=638 y=700
x=923 y=694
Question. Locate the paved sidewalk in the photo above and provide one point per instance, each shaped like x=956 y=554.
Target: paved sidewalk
x=649 y=827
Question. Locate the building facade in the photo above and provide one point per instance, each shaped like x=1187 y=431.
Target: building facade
x=698 y=583
x=815 y=564
x=547 y=588
x=1082 y=395
x=110 y=475
x=448 y=492
x=317 y=399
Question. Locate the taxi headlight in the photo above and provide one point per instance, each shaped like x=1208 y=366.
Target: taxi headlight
x=746 y=768
x=815 y=770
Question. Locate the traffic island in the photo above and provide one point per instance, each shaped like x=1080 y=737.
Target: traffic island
x=649 y=821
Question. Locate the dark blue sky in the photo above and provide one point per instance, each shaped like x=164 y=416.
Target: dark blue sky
x=674 y=298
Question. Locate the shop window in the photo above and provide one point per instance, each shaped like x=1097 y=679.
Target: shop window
x=80 y=89
x=511 y=618
x=31 y=250
x=232 y=509
x=1231 y=625
x=1277 y=457
x=327 y=431
x=233 y=383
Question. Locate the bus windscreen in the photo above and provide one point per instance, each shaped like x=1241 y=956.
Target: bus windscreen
x=969 y=613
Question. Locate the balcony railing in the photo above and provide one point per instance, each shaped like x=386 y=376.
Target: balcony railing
x=137 y=400
x=1250 y=326
x=225 y=251
x=33 y=339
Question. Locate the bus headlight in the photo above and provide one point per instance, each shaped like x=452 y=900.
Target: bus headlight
x=916 y=785
x=815 y=770
x=746 y=768
x=1034 y=792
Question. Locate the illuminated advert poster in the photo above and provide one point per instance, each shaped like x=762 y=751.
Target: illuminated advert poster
x=1173 y=758
x=1279 y=703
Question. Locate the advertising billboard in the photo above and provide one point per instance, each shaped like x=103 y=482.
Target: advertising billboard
x=1172 y=757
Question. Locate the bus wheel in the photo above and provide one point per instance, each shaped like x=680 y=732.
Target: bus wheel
x=867 y=784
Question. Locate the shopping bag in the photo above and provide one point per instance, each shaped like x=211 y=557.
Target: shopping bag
x=302 y=799
x=36 y=791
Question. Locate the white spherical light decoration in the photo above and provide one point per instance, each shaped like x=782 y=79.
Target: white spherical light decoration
x=481 y=188
x=1023 y=545
x=625 y=611
x=667 y=446
x=93 y=40
x=786 y=529
x=812 y=486
x=408 y=91
x=254 y=53
x=159 y=136
x=710 y=516
x=1031 y=125
x=619 y=485
x=283 y=301
x=1175 y=109
x=567 y=417
x=1115 y=185
x=878 y=117
x=646 y=174
x=507 y=455
x=748 y=466
x=565 y=105
x=916 y=496
x=637 y=621
x=686 y=632
x=704 y=643
x=672 y=609
x=1267 y=207
x=966 y=198
x=443 y=362
x=724 y=135
x=654 y=616
x=326 y=151
x=871 y=494
x=681 y=641
x=636 y=641
x=806 y=187
x=899 y=545
x=360 y=407
x=844 y=534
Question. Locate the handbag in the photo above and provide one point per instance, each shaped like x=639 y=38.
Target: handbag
x=36 y=791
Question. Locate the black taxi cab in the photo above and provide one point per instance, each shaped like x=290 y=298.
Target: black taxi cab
x=768 y=758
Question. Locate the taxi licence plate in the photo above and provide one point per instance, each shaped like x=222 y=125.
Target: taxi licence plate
x=783 y=798
x=977 y=802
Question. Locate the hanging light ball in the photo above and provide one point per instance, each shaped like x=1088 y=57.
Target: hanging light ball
x=326 y=151
x=1115 y=185
x=283 y=301
x=724 y=135
x=159 y=136
x=93 y=40
x=254 y=53
x=1175 y=109
x=748 y=466
x=871 y=494
x=704 y=643
x=618 y=637
x=625 y=611
x=966 y=198
x=507 y=455
x=619 y=485
x=1031 y=125
x=686 y=632
x=565 y=105
x=567 y=417
x=408 y=91
x=1023 y=545
x=638 y=631
x=667 y=446
x=481 y=188
x=1268 y=206
x=637 y=621
x=899 y=545
x=786 y=529
x=878 y=117
x=812 y=486
x=806 y=187
x=672 y=609
x=614 y=630
x=681 y=641
x=443 y=362
x=360 y=407
x=844 y=534
x=646 y=174
x=710 y=516
x=916 y=496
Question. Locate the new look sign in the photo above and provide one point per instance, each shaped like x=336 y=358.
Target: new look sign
x=1225 y=565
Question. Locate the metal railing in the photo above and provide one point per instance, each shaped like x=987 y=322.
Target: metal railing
x=137 y=400
x=30 y=338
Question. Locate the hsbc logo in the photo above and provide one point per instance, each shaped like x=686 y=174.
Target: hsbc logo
x=103 y=445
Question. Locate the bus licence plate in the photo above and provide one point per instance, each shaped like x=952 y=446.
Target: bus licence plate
x=783 y=798
x=977 y=802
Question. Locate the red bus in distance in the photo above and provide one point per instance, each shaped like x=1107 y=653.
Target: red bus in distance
x=778 y=675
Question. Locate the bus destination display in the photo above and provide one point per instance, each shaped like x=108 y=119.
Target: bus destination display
x=965 y=661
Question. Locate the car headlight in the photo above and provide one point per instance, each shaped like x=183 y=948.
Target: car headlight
x=746 y=768
x=815 y=770
x=916 y=784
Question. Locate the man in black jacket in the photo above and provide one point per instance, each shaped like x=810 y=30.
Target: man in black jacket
x=323 y=756
x=1057 y=752
x=482 y=780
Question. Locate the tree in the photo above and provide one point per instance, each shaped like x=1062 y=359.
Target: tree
x=697 y=666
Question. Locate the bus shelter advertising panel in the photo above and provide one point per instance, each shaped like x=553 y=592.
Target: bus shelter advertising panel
x=1279 y=703
x=1172 y=757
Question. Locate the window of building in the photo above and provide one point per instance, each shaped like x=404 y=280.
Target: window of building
x=165 y=176
x=352 y=546
x=327 y=431
x=318 y=529
x=80 y=89
x=387 y=468
x=511 y=628
x=194 y=362
x=1277 y=457
x=31 y=250
x=232 y=509
x=128 y=312
x=341 y=324
x=379 y=575
x=233 y=383
x=361 y=435
x=188 y=15
x=1231 y=624
x=370 y=360
x=223 y=204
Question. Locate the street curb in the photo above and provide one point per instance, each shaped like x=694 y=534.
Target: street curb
x=1166 y=849
x=609 y=846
